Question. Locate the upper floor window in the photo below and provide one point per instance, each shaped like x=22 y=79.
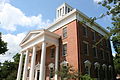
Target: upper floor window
x=94 y=51
x=85 y=48
x=102 y=54
x=93 y=36
x=64 y=49
x=65 y=32
x=85 y=31
x=52 y=52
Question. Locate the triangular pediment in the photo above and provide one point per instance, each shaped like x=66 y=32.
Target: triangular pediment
x=31 y=35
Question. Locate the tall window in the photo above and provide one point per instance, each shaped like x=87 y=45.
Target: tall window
x=85 y=31
x=97 y=72
x=102 y=54
x=65 y=32
x=64 y=49
x=51 y=72
x=93 y=36
x=85 y=48
x=52 y=52
x=86 y=70
x=94 y=51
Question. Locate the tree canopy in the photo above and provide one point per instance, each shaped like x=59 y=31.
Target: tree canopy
x=8 y=69
x=3 y=46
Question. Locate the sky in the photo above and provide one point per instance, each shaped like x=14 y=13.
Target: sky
x=18 y=17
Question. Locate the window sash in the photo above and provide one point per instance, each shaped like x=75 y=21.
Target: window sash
x=65 y=32
x=85 y=31
x=64 y=49
x=95 y=52
x=52 y=52
x=85 y=48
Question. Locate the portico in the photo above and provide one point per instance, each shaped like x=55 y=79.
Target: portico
x=35 y=41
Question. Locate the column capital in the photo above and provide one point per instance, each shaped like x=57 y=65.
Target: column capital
x=57 y=45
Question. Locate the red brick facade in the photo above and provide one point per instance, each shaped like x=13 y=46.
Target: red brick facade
x=75 y=56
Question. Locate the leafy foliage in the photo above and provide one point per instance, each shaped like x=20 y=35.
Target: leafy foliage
x=3 y=46
x=113 y=9
x=68 y=72
x=117 y=63
x=8 y=69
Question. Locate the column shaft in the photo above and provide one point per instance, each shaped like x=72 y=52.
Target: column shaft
x=36 y=75
x=20 y=67
x=56 y=63
x=42 y=64
x=32 y=68
x=25 y=66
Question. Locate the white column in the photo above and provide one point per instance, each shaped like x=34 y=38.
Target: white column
x=25 y=65
x=42 y=64
x=36 y=74
x=32 y=68
x=56 y=63
x=20 y=67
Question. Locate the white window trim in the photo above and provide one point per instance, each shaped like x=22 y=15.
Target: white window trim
x=62 y=48
x=86 y=30
x=87 y=47
x=50 y=52
x=95 y=50
x=88 y=64
x=94 y=35
x=63 y=32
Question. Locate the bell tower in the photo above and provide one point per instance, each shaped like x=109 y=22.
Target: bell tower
x=63 y=10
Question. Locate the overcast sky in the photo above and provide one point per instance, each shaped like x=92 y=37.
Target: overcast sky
x=17 y=17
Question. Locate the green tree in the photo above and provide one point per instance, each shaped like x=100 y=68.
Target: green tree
x=68 y=72
x=113 y=9
x=3 y=46
x=8 y=69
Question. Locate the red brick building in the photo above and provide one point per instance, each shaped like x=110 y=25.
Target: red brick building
x=70 y=40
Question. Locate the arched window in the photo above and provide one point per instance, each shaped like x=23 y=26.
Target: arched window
x=97 y=69
x=87 y=67
x=110 y=72
x=64 y=63
x=51 y=68
x=104 y=67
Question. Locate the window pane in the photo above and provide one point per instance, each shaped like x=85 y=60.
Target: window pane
x=86 y=70
x=93 y=35
x=64 y=32
x=84 y=31
x=85 y=48
x=95 y=52
x=52 y=52
x=51 y=72
x=64 y=49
